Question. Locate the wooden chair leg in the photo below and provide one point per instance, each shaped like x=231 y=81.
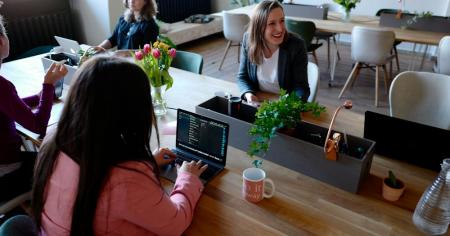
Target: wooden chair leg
x=349 y=79
x=386 y=79
x=396 y=59
x=377 y=71
x=315 y=57
x=356 y=75
x=225 y=54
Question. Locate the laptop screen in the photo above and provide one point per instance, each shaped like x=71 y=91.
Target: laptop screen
x=202 y=136
x=415 y=143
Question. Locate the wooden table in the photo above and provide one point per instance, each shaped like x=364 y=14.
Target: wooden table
x=301 y=205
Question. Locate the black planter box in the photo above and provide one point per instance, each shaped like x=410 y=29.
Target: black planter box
x=305 y=11
x=301 y=151
x=433 y=23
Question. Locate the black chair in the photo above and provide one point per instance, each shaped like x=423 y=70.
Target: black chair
x=396 y=42
x=306 y=30
x=320 y=35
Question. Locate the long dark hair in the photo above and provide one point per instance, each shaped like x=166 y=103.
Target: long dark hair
x=107 y=120
x=257 y=27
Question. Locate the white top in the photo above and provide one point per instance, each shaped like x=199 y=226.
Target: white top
x=267 y=74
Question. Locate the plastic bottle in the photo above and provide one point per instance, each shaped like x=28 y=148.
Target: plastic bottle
x=432 y=214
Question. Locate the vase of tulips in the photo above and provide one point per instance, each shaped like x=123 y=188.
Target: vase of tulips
x=155 y=60
x=347 y=5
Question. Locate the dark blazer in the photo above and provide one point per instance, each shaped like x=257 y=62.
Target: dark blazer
x=133 y=35
x=292 y=68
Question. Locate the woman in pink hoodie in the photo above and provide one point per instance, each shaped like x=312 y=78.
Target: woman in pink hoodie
x=96 y=174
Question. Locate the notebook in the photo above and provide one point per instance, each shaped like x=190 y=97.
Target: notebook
x=412 y=142
x=199 y=138
x=69 y=46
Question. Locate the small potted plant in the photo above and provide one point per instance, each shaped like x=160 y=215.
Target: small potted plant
x=393 y=188
x=272 y=116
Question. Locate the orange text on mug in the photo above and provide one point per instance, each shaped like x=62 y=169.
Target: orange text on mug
x=253 y=186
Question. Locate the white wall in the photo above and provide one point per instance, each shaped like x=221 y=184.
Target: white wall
x=448 y=8
x=220 y=5
x=96 y=19
x=116 y=9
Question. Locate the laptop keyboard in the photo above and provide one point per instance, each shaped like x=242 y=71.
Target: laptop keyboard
x=211 y=170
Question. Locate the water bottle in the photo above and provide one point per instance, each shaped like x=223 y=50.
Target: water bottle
x=432 y=214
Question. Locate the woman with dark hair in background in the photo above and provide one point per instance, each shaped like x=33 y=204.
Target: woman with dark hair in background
x=272 y=58
x=136 y=27
x=96 y=174
x=16 y=166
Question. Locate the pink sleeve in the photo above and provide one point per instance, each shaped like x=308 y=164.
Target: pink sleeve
x=144 y=203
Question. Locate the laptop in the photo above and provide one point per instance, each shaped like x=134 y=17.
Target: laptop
x=408 y=141
x=69 y=46
x=199 y=138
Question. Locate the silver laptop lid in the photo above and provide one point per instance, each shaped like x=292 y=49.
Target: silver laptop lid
x=69 y=46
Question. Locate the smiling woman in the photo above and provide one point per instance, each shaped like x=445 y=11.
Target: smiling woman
x=272 y=58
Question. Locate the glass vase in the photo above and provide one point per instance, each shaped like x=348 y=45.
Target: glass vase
x=159 y=100
x=432 y=213
x=346 y=16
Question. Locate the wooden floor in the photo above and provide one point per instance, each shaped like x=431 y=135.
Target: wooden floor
x=362 y=94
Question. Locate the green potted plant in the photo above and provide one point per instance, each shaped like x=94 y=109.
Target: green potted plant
x=347 y=5
x=393 y=188
x=272 y=116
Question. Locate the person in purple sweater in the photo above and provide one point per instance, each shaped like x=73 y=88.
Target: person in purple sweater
x=16 y=167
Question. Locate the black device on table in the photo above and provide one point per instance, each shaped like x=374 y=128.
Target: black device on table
x=199 y=138
x=405 y=140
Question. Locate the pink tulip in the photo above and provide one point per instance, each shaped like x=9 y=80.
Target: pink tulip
x=172 y=52
x=139 y=55
x=156 y=53
x=147 y=48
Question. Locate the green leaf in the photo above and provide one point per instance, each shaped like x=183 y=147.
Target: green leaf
x=273 y=115
x=167 y=41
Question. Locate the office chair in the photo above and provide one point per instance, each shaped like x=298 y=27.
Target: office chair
x=189 y=61
x=313 y=81
x=370 y=47
x=396 y=42
x=306 y=30
x=234 y=27
x=422 y=97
